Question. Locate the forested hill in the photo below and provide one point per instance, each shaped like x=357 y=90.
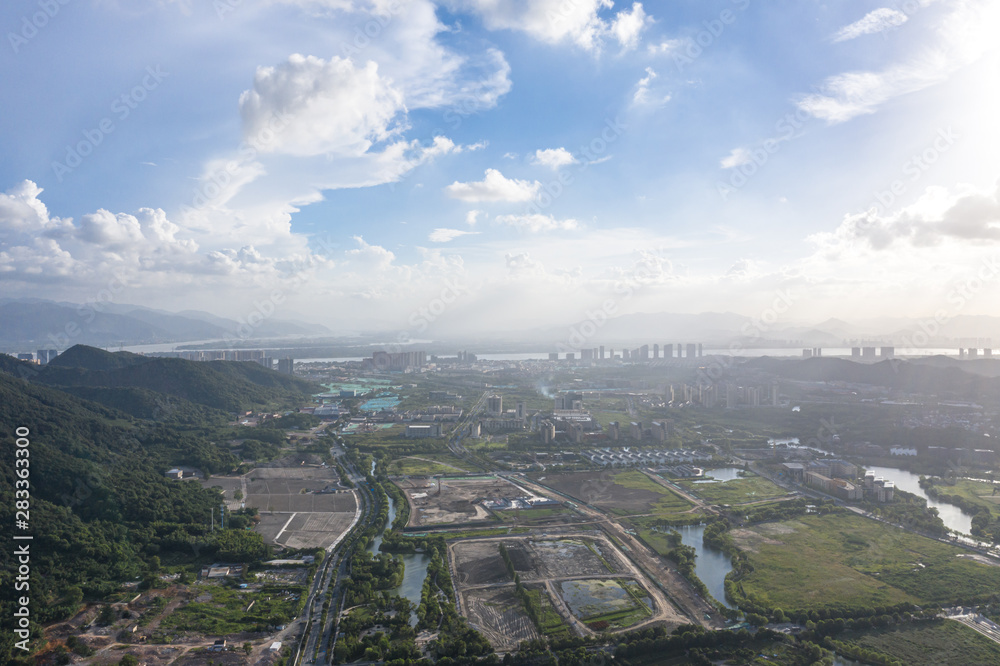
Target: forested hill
x=101 y=510
x=225 y=385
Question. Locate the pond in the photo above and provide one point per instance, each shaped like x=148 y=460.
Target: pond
x=592 y=598
x=415 y=567
x=721 y=474
x=711 y=565
x=952 y=516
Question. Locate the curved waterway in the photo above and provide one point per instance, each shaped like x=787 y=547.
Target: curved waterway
x=952 y=516
x=711 y=565
x=415 y=566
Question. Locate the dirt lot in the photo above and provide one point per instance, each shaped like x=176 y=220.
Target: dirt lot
x=479 y=562
x=498 y=614
x=458 y=501
x=305 y=529
x=599 y=489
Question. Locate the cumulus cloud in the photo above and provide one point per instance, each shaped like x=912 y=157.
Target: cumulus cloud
x=444 y=235
x=963 y=36
x=875 y=21
x=938 y=216
x=537 y=222
x=553 y=157
x=664 y=47
x=311 y=106
x=494 y=187
x=472 y=217
x=556 y=21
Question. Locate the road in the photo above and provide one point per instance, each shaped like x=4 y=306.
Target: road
x=328 y=584
x=980 y=623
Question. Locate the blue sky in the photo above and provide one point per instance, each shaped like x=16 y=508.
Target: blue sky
x=349 y=160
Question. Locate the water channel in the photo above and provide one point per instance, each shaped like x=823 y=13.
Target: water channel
x=952 y=516
x=711 y=565
x=415 y=566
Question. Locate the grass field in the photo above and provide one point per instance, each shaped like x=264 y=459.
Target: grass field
x=751 y=488
x=223 y=610
x=975 y=491
x=669 y=501
x=551 y=622
x=428 y=464
x=941 y=643
x=843 y=559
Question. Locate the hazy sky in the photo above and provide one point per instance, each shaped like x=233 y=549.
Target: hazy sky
x=502 y=163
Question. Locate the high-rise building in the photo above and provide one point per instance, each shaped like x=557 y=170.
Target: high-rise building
x=553 y=356
x=286 y=366
x=494 y=404
x=668 y=351
x=867 y=352
x=692 y=350
x=888 y=352
x=520 y=410
x=644 y=353
x=855 y=352
x=602 y=352
x=586 y=354
x=656 y=351
x=701 y=351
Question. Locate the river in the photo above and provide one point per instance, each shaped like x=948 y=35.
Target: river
x=415 y=566
x=711 y=565
x=953 y=517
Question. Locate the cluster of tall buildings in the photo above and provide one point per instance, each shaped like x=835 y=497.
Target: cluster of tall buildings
x=637 y=355
x=41 y=357
x=407 y=361
x=728 y=394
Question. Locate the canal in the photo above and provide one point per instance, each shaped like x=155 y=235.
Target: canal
x=415 y=564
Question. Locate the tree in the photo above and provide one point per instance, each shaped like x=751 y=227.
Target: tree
x=248 y=647
x=129 y=660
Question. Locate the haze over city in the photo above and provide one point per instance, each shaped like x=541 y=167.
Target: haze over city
x=351 y=162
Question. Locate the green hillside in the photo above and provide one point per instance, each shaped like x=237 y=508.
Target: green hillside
x=226 y=385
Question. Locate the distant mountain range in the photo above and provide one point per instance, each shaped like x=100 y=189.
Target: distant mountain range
x=29 y=324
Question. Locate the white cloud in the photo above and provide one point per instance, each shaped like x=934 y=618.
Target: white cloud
x=443 y=235
x=642 y=95
x=537 y=222
x=494 y=187
x=472 y=217
x=967 y=216
x=310 y=106
x=664 y=47
x=738 y=157
x=963 y=36
x=874 y=21
x=553 y=157
x=555 y=21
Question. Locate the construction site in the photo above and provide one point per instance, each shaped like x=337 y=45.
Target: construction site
x=299 y=507
x=582 y=583
x=444 y=501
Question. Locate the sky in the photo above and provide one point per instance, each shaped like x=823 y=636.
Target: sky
x=493 y=165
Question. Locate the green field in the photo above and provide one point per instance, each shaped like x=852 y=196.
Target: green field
x=222 y=610
x=551 y=623
x=941 y=643
x=978 y=492
x=428 y=464
x=847 y=560
x=750 y=488
x=669 y=502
